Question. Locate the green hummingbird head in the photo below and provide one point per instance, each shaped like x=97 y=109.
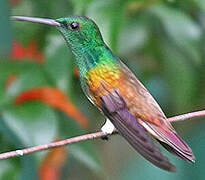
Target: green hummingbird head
x=82 y=36
x=80 y=32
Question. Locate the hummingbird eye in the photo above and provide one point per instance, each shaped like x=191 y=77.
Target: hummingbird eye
x=74 y=26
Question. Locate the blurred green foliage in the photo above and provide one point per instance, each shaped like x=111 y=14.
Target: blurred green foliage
x=163 y=42
x=5 y=30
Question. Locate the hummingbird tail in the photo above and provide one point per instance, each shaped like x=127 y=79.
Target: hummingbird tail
x=114 y=108
x=170 y=140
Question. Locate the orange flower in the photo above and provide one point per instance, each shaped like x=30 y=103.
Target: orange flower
x=52 y=164
x=54 y=98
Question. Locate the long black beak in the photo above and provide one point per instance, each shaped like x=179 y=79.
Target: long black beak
x=49 y=22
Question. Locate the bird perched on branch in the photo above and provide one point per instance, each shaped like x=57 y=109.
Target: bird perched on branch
x=118 y=94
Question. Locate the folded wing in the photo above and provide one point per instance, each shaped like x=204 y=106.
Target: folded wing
x=114 y=107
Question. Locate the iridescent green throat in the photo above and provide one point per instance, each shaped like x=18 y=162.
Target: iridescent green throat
x=92 y=58
x=86 y=44
x=91 y=55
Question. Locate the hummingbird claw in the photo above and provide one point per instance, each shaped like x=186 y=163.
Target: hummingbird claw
x=105 y=138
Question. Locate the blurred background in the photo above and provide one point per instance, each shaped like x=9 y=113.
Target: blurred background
x=163 y=42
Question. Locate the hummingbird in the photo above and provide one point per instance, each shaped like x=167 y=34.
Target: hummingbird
x=111 y=86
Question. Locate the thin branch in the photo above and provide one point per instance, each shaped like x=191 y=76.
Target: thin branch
x=85 y=137
x=187 y=116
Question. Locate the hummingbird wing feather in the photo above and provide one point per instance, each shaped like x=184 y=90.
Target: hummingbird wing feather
x=114 y=107
x=172 y=142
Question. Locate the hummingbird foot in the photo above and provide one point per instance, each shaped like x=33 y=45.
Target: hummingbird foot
x=107 y=129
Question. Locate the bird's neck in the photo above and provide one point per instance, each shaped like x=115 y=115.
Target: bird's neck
x=90 y=57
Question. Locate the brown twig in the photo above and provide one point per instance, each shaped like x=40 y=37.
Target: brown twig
x=85 y=137
x=187 y=116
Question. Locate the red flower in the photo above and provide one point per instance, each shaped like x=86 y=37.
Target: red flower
x=31 y=51
x=19 y=53
x=15 y=2
x=54 y=98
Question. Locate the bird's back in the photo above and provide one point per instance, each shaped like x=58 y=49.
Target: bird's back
x=106 y=78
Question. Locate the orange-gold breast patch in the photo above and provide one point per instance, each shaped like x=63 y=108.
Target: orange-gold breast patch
x=102 y=79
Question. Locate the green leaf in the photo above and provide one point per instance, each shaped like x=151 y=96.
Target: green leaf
x=31 y=29
x=145 y=170
x=200 y=4
x=29 y=170
x=181 y=30
x=196 y=141
x=9 y=170
x=29 y=75
x=109 y=16
x=8 y=67
x=5 y=30
x=33 y=123
x=185 y=170
x=84 y=152
x=53 y=9
x=60 y=64
x=133 y=38
x=33 y=77
x=80 y=6
x=181 y=77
